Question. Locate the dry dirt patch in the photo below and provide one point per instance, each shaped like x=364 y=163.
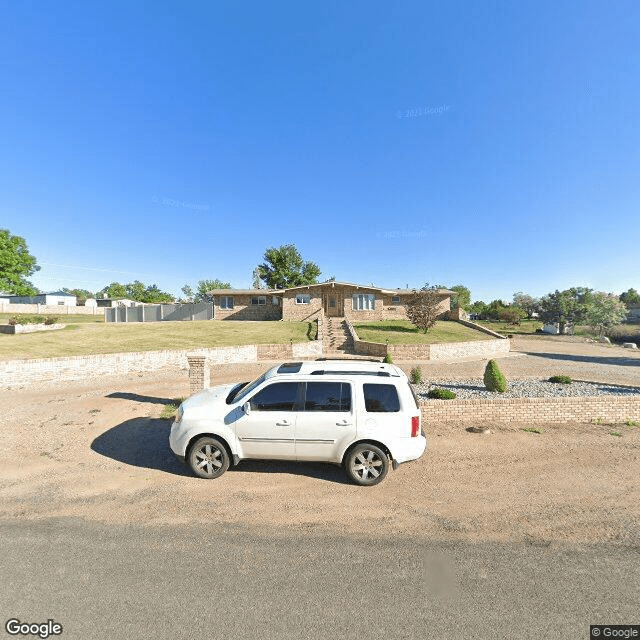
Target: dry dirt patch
x=100 y=453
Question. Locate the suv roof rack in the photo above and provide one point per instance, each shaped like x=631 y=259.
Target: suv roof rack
x=334 y=372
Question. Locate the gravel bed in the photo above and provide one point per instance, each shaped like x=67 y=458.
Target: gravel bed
x=474 y=389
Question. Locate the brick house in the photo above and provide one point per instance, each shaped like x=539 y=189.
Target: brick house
x=354 y=302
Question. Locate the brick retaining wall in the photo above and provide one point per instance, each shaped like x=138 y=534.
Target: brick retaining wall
x=531 y=410
x=51 y=309
x=439 y=351
x=22 y=372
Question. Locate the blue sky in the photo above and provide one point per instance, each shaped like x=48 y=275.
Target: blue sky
x=493 y=144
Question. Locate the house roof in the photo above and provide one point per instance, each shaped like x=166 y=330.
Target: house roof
x=244 y=292
x=58 y=293
x=271 y=292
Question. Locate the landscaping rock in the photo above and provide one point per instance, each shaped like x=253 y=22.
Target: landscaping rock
x=629 y=345
x=605 y=340
x=474 y=389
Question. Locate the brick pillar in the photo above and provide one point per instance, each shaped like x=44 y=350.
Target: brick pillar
x=199 y=373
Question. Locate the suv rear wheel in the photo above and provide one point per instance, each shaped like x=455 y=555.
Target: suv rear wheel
x=367 y=464
x=208 y=458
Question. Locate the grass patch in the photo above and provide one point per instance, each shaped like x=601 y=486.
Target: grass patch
x=91 y=338
x=169 y=410
x=526 y=327
x=615 y=433
x=312 y=331
x=632 y=423
x=533 y=430
x=403 y=332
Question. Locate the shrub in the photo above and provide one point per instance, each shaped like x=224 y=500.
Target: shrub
x=561 y=379
x=26 y=318
x=494 y=379
x=441 y=394
x=416 y=375
x=387 y=358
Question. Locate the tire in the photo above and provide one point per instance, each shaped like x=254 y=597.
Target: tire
x=208 y=458
x=367 y=465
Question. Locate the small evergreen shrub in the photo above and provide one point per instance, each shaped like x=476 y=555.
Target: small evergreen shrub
x=51 y=319
x=416 y=375
x=441 y=394
x=494 y=379
x=388 y=359
x=561 y=379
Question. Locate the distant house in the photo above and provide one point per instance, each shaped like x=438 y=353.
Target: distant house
x=117 y=302
x=335 y=299
x=54 y=298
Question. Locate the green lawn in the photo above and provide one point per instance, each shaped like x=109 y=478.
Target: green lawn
x=403 y=332
x=526 y=327
x=89 y=338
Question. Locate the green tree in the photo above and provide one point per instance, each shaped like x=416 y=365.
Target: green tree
x=80 y=294
x=631 y=296
x=115 y=290
x=153 y=295
x=204 y=286
x=284 y=267
x=136 y=291
x=16 y=264
x=565 y=307
x=605 y=311
x=188 y=292
x=423 y=308
x=462 y=298
x=527 y=303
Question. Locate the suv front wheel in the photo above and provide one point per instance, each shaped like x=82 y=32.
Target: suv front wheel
x=366 y=464
x=208 y=458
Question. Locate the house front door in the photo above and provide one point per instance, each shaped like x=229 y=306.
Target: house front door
x=333 y=305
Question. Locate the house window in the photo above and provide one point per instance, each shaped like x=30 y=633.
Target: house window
x=303 y=298
x=395 y=299
x=61 y=302
x=275 y=301
x=226 y=302
x=364 y=301
x=259 y=300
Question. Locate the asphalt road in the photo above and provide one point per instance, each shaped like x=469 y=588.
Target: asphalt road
x=238 y=582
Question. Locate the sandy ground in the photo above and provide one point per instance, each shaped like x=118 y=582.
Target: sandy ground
x=99 y=452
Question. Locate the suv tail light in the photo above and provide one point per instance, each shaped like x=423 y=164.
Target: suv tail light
x=415 y=426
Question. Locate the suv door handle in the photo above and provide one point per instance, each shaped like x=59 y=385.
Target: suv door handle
x=344 y=423
x=284 y=423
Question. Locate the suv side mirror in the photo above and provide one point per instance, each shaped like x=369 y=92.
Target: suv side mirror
x=246 y=408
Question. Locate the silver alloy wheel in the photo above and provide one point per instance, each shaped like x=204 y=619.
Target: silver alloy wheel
x=209 y=458
x=367 y=464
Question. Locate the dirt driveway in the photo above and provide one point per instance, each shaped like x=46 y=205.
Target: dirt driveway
x=99 y=452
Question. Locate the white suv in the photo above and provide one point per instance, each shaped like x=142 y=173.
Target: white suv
x=360 y=414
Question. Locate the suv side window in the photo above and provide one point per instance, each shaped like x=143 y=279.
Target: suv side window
x=381 y=398
x=280 y=396
x=328 y=396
